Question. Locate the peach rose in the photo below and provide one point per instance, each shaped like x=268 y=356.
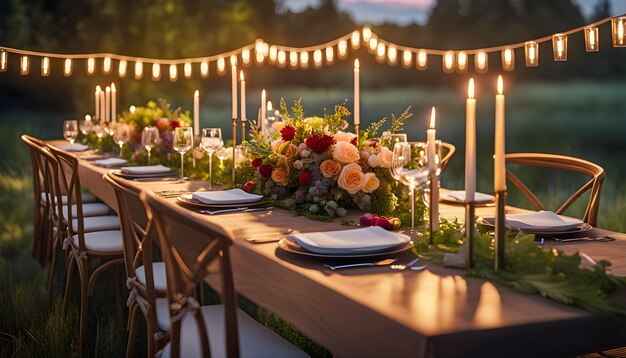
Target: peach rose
x=276 y=144
x=280 y=176
x=290 y=151
x=344 y=136
x=298 y=164
x=330 y=168
x=370 y=183
x=351 y=178
x=345 y=153
x=384 y=157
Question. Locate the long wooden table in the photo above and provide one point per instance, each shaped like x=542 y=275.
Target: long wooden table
x=374 y=312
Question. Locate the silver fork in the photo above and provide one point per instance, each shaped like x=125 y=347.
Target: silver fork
x=377 y=263
x=401 y=267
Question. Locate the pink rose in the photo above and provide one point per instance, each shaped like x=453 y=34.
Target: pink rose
x=385 y=157
x=370 y=183
x=345 y=153
x=276 y=144
x=351 y=178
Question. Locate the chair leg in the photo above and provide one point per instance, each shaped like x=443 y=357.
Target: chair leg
x=68 y=282
x=53 y=263
x=132 y=331
x=84 y=300
x=151 y=331
x=118 y=294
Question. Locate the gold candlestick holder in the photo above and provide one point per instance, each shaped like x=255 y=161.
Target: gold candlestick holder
x=431 y=211
x=234 y=146
x=500 y=234
x=243 y=129
x=356 y=131
x=470 y=233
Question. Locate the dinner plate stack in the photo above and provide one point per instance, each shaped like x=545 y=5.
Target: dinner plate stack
x=542 y=222
x=145 y=172
x=220 y=199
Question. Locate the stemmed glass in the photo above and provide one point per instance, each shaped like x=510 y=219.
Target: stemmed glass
x=149 y=139
x=86 y=126
x=70 y=130
x=121 y=135
x=409 y=166
x=211 y=141
x=182 y=143
x=98 y=129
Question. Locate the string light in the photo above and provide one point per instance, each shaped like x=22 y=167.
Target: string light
x=273 y=53
x=282 y=59
x=355 y=40
x=122 y=68
x=342 y=49
x=91 y=65
x=508 y=59
x=481 y=62
x=24 y=65
x=392 y=55
x=591 y=39
x=233 y=60
x=173 y=73
x=531 y=52
x=373 y=44
x=258 y=46
x=559 y=47
x=221 y=65
x=106 y=65
x=187 y=69
x=204 y=69
x=67 y=67
x=367 y=34
x=407 y=58
x=245 y=56
x=260 y=57
x=330 y=55
x=380 y=52
x=266 y=49
x=3 y=60
x=138 y=70
x=156 y=71
x=317 y=58
x=45 y=66
x=619 y=36
x=293 y=59
x=304 y=59
x=461 y=62
x=422 y=60
x=448 y=62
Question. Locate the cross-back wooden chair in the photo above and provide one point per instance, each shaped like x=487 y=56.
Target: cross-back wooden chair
x=216 y=330
x=448 y=150
x=594 y=185
x=83 y=247
x=145 y=279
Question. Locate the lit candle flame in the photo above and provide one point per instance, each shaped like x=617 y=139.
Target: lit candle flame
x=241 y=76
x=98 y=89
x=470 y=89
x=432 y=118
x=113 y=87
x=196 y=93
x=87 y=117
x=269 y=106
x=356 y=64
x=500 y=85
x=132 y=109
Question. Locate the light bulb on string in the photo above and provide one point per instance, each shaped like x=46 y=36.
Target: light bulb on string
x=559 y=47
x=67 y=67
x=266 y=49
x=380 y=52
x=221 y=65
x=233 y=60
x=618 y=27
x=392 y=55
x=260 y=57
x=258 y=45
x=317 y=58
x=481 y=62
x=461 y=62
x=282 y=58
x=273 y=54
x=293 y=59
x=330 y=54
x=407 y=58
x=24 y=65
x=106 y=65
x=45 y=66
x=422 y=60
x=138 y=70
x=204 y=69
x=91 y=65
x=156 y=72
x=448 y=62
x=355 y=39
x=121 y=69
x=508 y=59
x=373 y=45
x=531 y=53
x=187 y=69
x=367 y=34
x=592 y=36
x=304 y=59
x=3 y=60
x=173 y=72
x=245 y=56
x=342 y=49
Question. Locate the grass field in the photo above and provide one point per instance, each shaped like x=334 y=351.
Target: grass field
x=581 y=119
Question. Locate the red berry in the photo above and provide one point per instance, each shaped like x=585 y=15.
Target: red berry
x=249 y=187
x=384 y=223
x=368 y=219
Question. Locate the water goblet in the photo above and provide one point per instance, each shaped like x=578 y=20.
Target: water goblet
x=211 y=141
x=86 y=125
x=182 y=143
x=121 y=135
x=70 y=130
x=149 y=139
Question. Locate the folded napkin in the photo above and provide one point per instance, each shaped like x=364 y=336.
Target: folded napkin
x=233 y=196
x=546 y=221
x=357 y=241
x=146 y=169
x=459 y=196
x=110 y=162
x=76 y=147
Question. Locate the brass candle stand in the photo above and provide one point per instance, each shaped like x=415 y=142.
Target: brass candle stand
x=431 y=223
x=234 y=147
x=243 y=129
x=500 y=231
x=356 y=131
x=470 y=232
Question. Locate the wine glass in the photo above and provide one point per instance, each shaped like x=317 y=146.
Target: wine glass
x=70 y=130
x=182 y=143
x=393 y=138
x=98 y=129
x=86 y=125
x=149 y=139
x=121 y=135
x=222 y=154
x=409 y=167
x=211 y=141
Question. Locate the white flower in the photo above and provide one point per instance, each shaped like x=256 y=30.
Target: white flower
x=298 y=164
x=373 y=161
x=305 y=153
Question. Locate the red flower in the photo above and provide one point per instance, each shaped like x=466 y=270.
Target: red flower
x=288 y=133
x=249 y=187
x=353 y=141
x=305 y=177
x=257 y=162
x=373 y=144
x=175 y=123
x=319 y=144
x=265 y=170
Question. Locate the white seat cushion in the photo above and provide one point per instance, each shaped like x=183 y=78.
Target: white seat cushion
x=255 y=340
x=103 y=241
x=98 y=223
x=94 y=209
x=158 y=273
x=163 y=314
x=86 y=197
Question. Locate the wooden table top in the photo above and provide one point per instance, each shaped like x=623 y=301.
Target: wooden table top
x=375 y=312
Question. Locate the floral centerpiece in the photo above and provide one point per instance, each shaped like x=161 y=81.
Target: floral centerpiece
x=312 y=166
